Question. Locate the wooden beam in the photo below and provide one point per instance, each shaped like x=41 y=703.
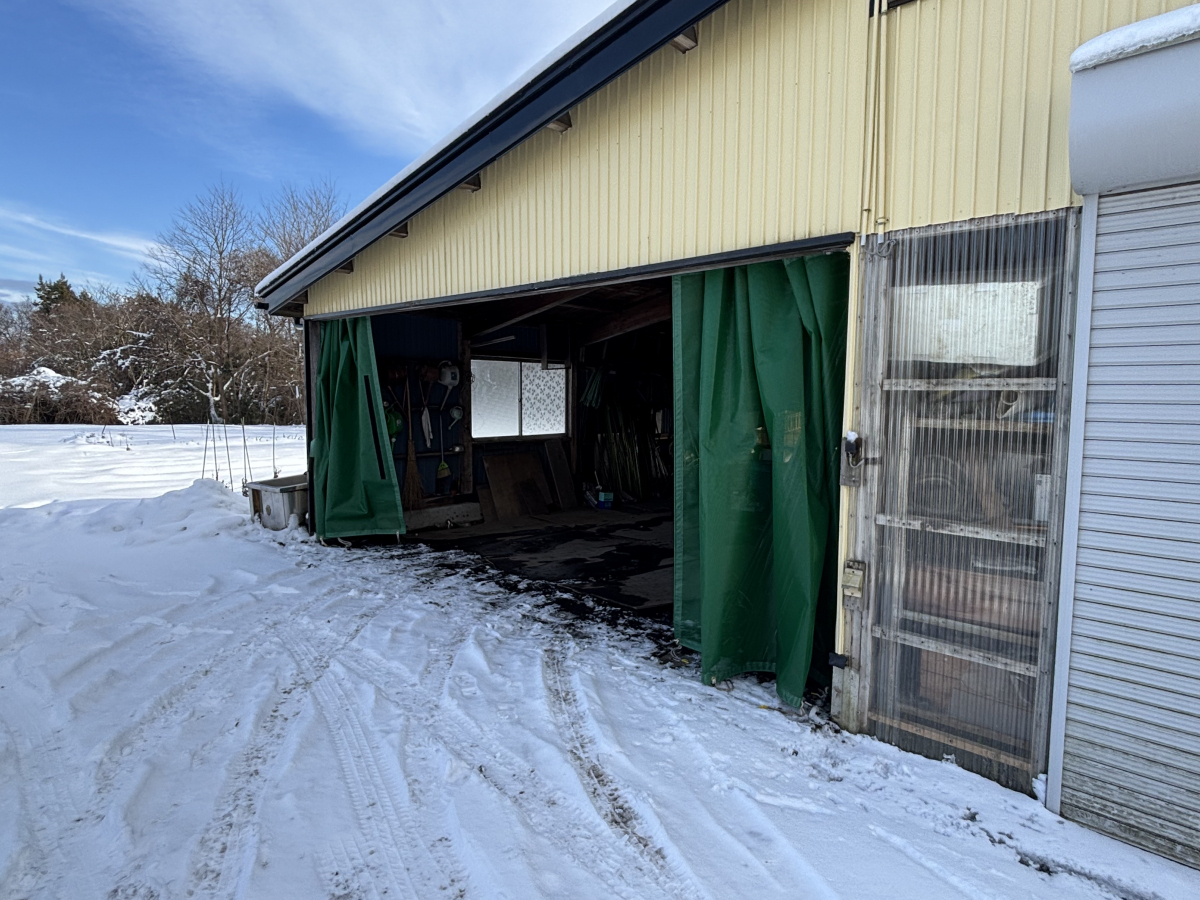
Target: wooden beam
x=600 y=307
x=562 y=124
x=543 y=304
x=472 y=184
x=650 y=312
x=689 y=40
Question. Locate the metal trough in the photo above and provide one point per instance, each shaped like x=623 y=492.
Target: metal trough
x=275 y=500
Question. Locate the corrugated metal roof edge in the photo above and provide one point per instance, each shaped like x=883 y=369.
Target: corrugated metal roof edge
x=619 y=43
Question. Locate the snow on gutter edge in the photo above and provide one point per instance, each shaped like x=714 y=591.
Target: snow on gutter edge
x=421 y=161
x=1139 y=37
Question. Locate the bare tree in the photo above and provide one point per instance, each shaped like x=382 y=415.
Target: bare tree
x=205 y=258
x=187 y=343
x=294 y=217
x=14 y=326
x=205 y=263
x=288 y=223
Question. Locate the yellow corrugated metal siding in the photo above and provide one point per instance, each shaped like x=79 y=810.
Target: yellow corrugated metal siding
x=753 y=138
x=758 y=136
x=976 y=104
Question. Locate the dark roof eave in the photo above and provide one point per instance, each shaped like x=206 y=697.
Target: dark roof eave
x=620 y=44
x=829 y=243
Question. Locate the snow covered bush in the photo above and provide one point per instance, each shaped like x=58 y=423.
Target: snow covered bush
x=138 y=407
x=46 y=397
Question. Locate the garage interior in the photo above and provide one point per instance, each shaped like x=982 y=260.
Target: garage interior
x=593 y=438
x=541 y=429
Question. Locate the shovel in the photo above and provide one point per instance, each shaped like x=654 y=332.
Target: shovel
x=443 y=470
x=426 y=425
x=414 y=492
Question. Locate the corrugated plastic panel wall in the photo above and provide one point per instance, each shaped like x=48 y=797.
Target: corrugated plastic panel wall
x=977 y=96
x=753 y=138
x=964 y=506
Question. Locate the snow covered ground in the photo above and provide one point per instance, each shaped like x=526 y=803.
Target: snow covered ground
x=43 y=463
x=195 y=707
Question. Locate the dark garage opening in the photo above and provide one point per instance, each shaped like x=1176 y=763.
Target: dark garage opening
x=541 y=429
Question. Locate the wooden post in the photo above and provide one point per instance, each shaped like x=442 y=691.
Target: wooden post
x=466 y=480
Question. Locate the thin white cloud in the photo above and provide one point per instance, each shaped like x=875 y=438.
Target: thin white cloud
x=129 y=246
x=33 y=243
x=11 y=253
x=395 y=73
x=15 y=290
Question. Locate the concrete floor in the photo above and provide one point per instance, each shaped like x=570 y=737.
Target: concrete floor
x=622 y=556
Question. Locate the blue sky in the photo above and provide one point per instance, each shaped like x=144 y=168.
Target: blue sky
x=114 y=113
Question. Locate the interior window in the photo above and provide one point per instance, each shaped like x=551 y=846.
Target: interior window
x=515 y=399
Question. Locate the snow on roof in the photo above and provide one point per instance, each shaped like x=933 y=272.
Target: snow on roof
x=417 y=164
x=1139 y=37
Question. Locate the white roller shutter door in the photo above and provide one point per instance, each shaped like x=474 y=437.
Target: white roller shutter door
x=1131 y=742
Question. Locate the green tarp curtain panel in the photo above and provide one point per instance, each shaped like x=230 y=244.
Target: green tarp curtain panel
x=760 y=354
x=355 y=490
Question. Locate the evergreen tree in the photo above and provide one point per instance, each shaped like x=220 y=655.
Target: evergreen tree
x=51 y=295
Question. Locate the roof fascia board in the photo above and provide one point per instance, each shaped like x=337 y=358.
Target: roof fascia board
x=618 y=46
x=831 y=243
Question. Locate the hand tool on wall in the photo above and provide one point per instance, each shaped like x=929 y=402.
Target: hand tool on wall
x=414 y=491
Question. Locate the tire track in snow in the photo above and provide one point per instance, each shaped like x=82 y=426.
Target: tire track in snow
x=377 y=792
x=168 y=711
x=344 y=873
x=547 y=811
x=32 y=859
x=174 y=705
x=570 y=718
x=51 y=819
x=49 y=815
x=426 y=813
x=170 y=708
x=430 y=806
x=162 y=716
x=790 y=871
x=225 y=852
x=962 y=885
x=49 y=783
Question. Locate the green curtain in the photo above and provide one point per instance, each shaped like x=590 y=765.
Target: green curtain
x=355 y=489
x=759 y=375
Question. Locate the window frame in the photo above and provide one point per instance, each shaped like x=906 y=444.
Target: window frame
x=567 y=418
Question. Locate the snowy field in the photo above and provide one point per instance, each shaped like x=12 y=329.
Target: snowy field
x=194 y=707
x=43 y=463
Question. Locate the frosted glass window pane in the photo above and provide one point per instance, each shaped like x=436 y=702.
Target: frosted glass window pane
x=998 y=323
x=495 y=398
x=544 y=399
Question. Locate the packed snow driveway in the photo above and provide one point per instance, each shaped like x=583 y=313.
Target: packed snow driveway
x=194 y=707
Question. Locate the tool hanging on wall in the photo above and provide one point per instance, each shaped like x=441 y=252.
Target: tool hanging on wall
x=448 y=379
x=414 y=491
x=426 y=424
x=443 y=470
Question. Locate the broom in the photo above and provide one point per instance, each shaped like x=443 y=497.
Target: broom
x=414 y=493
